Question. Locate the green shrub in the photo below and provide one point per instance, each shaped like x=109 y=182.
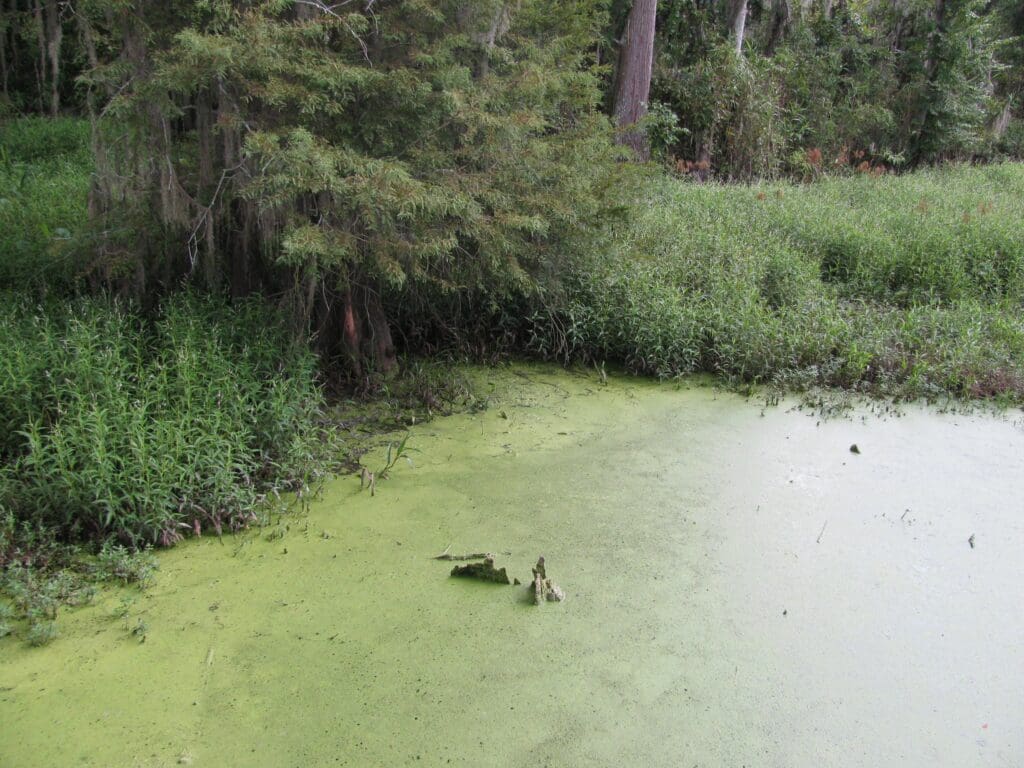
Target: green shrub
x=117 y=563
x=6 y=617
x=142 y=431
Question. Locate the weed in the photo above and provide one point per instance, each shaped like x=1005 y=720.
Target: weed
x=45 y=170
x=6 y=617
x=117 y=563
x=41 y=633
x=394 y=454
x=123 y=608
x=140 y=630
x=117 y=428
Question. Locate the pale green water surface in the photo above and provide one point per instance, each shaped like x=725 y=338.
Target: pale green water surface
x=705 y=624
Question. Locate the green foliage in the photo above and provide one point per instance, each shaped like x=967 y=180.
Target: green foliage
x=954 y=98
x=44 y=178
x=907 y=286
x=731 y=111
x=350 y=153
x=662 y=127
x=117 y=563
x=118 y=428
x=41 y=633
x=34 y=139
x=6 y=617
x=36 y=595
x=918 y=82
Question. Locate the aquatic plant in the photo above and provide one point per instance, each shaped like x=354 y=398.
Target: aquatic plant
x=6 y=617
x=140 y=631
x=118 y=563
x=41 y=633
x=395 y=453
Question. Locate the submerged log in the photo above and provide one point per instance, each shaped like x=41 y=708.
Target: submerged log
x=484 y=571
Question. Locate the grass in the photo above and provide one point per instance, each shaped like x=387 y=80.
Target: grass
x=902 y=286
x=140 y=431
x=45 y=169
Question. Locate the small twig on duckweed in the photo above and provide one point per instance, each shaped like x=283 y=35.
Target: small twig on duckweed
x=446 y=555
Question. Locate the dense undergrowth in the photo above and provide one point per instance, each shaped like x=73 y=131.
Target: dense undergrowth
x=141 y=429
x=44 y=178
x=908 y=286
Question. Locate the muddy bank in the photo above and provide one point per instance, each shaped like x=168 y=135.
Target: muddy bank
x=741 y=589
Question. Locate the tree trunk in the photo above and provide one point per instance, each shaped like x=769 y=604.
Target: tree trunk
x=306 y=12
x=365 y=336
x=1002 y=121
x=931 y=66
x=738 y=24
x=88 y=38
x=781 y=19
x=925 y=118
x=54 y=39
x=205 y=128
x=636 y=59
x=380 y=347
x=37 y=18
x=486 y=23
x=10 y=11
x=4 y=75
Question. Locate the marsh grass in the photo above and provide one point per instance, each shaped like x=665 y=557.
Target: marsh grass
x=124 y=566
x=141 y=431
x=41 y=632
x=908 y=286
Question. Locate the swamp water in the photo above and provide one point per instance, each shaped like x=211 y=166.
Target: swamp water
x=742 y=590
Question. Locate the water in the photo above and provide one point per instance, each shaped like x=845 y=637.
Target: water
x=742 y=590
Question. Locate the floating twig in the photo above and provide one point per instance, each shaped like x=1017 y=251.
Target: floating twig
x=470 y=556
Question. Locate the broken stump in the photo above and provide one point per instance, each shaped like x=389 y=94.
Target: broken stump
x=543 y=588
